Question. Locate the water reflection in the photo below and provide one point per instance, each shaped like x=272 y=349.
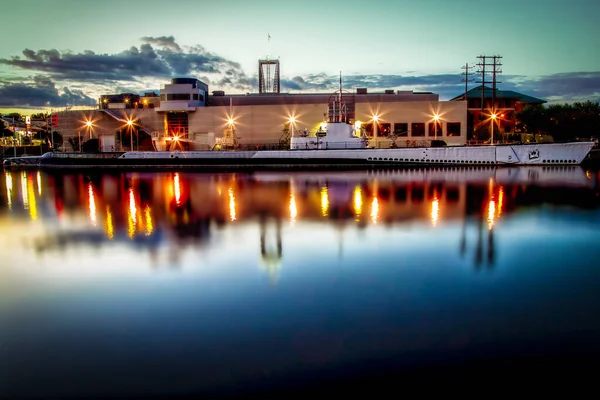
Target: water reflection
x=181 y=206
x=225 y=275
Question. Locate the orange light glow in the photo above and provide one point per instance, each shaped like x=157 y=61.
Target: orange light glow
x=435 y=211
x=500 y=201
x=375 y=210
x=92 y=204
x=293 y=209
x=324 y=201
x=110 y=228
x=132 y=220
x=491 y=213
x=177 y=189
x=9 y=188
x=357 y=202
x=148 y=218
x=232 y=214
x=32 y=201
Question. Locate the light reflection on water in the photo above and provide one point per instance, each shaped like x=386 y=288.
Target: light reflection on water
x=274 y=271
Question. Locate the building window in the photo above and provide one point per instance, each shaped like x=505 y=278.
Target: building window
x=453 y=128
x=417 y=129
x=178 y=96
x=195 y=96
x=162 y=97
x=436 y=128
x=401 y=129
x=384 y=129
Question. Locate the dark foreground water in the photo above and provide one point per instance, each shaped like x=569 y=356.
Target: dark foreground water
x=179 y=283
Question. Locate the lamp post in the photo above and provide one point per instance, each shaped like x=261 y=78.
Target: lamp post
x=130 y=130
x=292 y=121
x=375 y=126
x=89 y=126
x=493 y=122
x=436 y=118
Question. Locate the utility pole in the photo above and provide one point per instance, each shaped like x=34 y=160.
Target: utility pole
x=466 y=79
x=494 y=67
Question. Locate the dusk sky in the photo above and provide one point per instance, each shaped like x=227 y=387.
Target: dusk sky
x=68 y=52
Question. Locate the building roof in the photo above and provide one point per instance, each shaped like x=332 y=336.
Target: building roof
x=475 y=93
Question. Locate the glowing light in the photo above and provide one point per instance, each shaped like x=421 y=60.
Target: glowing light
x=132 y=220
x=129 y=122
x=32 y=202
x=588 y=174
x=24 y=191
x=9 y=188
x=176 y=138
x=39 y=183
x=89 y=124
x=230 y=121
x=491 y=213
x=148 y=218
x=110 y=228
x=293 y=209
x=324 y=201
x=357 y=202
x=231 y=204
x=375 y=118
x=177 y=188
x=494 y=116
x=323 y=126
x=375 y=210
x=92 y=204
x=500 y=200
x=436 y=117
x=435 y=211
x=292 y=119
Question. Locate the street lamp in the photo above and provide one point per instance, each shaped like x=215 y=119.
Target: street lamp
x=129 y=129
x=292 y=121
x=375 y=126
x=89 y=126
x=493 y=122
x=436 y=119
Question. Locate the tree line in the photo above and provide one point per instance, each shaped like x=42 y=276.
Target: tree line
x=562 y=121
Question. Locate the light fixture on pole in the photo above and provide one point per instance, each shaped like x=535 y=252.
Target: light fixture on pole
x=436 y=119
x=130 y=130
x=493 y=122
x=375 y=126
x=292 y=122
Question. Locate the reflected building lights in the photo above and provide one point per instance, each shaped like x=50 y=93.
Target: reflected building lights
x=374 y=210
x=110 y=228
x=231 y=205
x=31 y=198
x=435 y=211
x=357 y=202
x=491 y=213
x=39 y=183
x=324 y=201
x=177 y=189
x=132 y=220
x=293 y=209
x=500 y=200
x=9 y=188
x=92 y=204
x=148 y=219
x=24 y=190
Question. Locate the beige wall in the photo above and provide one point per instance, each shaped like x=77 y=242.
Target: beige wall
x=265 y=123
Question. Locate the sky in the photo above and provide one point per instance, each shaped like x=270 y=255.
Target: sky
x=63 y=53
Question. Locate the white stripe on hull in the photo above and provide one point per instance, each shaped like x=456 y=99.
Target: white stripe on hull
x=525 y=154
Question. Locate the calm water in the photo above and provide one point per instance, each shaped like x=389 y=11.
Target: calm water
x=173 y=283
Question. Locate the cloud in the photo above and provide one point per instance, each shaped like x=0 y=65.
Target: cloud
x=562 y=87
x=156 y=57
x=64 y=77
x=40 y=92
